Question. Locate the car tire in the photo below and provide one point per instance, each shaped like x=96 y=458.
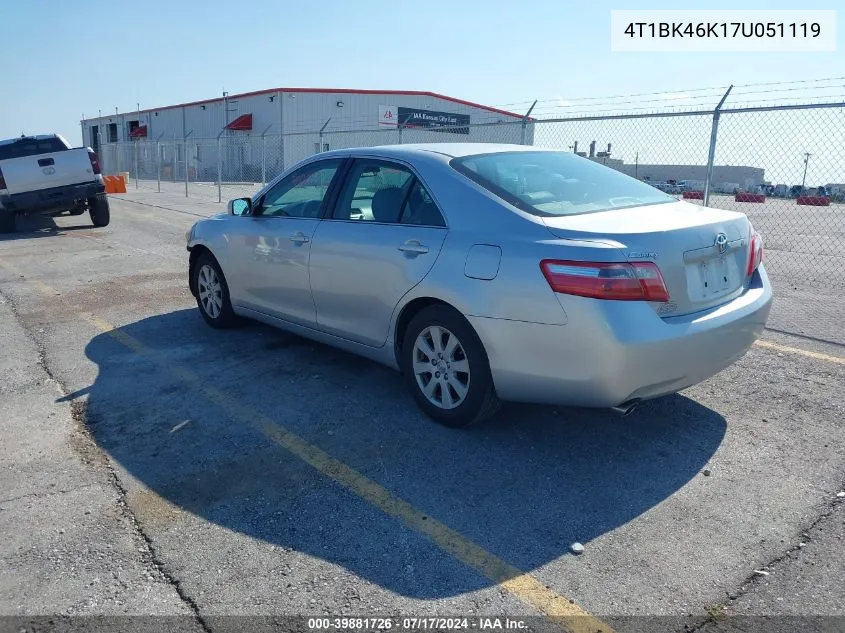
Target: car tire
x=445 y=393
x=7 y=221
x=212 y=292
x=98 y=209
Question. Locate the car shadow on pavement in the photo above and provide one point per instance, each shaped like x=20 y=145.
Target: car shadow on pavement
x=524 y=486
x=30 y=226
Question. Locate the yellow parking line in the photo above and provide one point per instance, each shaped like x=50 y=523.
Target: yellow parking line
x=803 y=352
x=521 y=585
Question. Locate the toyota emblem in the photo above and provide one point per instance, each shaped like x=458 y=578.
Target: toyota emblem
x=48 y=171
x=722 y=243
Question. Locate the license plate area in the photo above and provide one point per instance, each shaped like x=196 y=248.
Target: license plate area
x=714 y=276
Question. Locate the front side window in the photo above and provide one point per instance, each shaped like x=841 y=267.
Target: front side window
x=301 y=194
x=556 y=183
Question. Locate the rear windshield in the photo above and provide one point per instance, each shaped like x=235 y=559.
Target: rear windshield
x=30 y=147
x=556 y=183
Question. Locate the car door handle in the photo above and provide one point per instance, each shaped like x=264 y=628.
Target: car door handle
x=300 y=238
x=413 y=247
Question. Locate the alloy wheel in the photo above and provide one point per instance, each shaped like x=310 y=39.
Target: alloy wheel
x=210 y=291
x=441 y=367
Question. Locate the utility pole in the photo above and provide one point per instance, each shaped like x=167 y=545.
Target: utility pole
x=806 y=161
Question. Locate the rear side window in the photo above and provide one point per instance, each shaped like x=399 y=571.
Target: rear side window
x=30 y=147
x=375 y=192
x=387 y=193
x=556 y=183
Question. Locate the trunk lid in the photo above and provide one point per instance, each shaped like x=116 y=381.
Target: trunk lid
x=702 y=252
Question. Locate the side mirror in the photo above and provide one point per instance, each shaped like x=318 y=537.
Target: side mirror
x=240 y=206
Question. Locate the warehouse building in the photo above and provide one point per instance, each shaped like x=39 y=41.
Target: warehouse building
x=270 y=130
x=725 y=177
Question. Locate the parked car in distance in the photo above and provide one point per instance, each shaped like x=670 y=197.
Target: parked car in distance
x=691 y=185
x=489 y=272
x=43 y=174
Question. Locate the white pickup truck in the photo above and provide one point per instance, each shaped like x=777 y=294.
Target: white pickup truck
x=43 y=174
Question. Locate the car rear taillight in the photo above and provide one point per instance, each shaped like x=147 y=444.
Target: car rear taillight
x=95 y=162
x=2 y=180
x=635 y=281
x=755 y=252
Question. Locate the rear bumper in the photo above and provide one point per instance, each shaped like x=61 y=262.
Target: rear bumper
x=51 y=200
x=610 y=352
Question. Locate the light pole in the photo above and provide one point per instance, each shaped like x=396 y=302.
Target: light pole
x=806 y=161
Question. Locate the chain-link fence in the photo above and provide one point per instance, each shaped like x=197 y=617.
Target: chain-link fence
x=783 y=166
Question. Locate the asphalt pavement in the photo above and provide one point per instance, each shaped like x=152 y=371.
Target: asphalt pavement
x=154 y=466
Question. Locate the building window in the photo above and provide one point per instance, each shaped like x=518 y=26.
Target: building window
x=325 y=147
x=112 y=132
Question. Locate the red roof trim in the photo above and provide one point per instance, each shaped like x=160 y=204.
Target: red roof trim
x=243 y=122
x=409 y=93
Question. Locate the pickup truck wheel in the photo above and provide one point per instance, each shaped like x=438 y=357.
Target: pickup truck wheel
x=98 y=209
x=7 y=221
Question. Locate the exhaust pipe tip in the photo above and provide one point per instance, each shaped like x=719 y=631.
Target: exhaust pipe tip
x=626 y=408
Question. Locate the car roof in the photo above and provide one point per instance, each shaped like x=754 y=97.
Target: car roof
x=448 y=150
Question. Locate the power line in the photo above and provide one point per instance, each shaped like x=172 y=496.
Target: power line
x=684 y=91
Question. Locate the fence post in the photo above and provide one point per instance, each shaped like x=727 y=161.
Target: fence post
x=711 y=156
x=186 y=161
x=320 y=141
x=263 y=161
x=264 y=156
x=399 y=127
x=525 y=123
x=158 y=166
x=220 y=166
x=136 y=163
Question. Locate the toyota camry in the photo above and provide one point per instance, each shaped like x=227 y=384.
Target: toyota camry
x=490 y=272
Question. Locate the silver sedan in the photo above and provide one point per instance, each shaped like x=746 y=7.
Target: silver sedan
x=490 y=272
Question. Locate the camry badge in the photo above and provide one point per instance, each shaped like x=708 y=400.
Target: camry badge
x=722 y=243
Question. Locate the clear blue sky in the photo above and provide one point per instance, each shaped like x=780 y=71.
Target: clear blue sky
x=62 y=59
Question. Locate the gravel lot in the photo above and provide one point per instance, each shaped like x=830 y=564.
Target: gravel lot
x=154 y=466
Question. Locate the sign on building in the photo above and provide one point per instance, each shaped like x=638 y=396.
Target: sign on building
x=388 y=116
x=392 y=116
x=429 y=119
